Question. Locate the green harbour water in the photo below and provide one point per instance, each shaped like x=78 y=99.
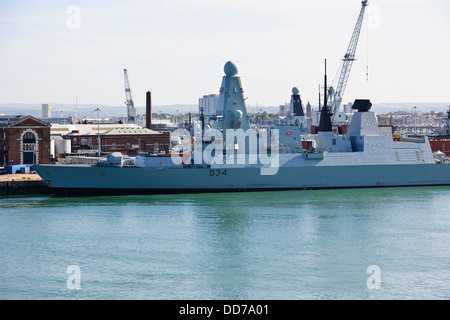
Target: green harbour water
x=308 y=244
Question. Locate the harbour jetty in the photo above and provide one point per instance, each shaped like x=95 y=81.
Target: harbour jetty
x=22 y=184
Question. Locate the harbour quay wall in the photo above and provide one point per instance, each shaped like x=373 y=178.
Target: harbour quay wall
x=22 y=184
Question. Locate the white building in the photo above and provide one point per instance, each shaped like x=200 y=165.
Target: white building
x=347 y=108
x=209 y=104
x=46 y=110
x=283 y=110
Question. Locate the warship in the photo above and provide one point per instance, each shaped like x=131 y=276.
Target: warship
x=230 y=155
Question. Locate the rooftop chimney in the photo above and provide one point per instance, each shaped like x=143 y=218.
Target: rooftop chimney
x=148 y=110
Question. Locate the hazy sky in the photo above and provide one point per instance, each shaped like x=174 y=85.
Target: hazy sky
x=55 y=51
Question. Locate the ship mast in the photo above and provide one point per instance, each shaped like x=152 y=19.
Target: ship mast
x=325 y=119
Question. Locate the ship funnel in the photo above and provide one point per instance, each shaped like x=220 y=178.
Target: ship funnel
x=362 y=105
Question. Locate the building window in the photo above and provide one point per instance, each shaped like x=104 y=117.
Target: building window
x=74 y=140
x=29 y=137
x=128 y=145
x=29 y=148
x=114 y=145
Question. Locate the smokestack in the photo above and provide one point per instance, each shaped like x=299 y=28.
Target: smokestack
x=148 y=110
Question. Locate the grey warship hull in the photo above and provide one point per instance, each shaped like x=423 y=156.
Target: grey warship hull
x=84 y=180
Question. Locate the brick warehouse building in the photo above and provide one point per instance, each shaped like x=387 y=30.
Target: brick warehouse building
x=24 y=140
x=130 y=141
x=441 y=143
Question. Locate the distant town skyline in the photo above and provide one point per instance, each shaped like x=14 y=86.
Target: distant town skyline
x=75 y=51
x=87 y=110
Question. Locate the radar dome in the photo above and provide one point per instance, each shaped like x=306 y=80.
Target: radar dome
x=230 y=69
x=295 y=90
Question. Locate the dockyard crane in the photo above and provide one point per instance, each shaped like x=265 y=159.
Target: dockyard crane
x=131 y=110
x=335 y=95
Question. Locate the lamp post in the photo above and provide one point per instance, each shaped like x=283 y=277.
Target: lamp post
x=98 y=131
x=415 y=120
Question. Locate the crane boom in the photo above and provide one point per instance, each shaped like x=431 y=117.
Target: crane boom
x=335 y=95
x=131 y=110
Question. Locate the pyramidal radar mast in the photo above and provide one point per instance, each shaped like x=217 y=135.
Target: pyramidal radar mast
x=131 y=110
x=335 y=95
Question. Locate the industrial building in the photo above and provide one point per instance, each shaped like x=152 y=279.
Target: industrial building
x=24 y=140
x=129 y=139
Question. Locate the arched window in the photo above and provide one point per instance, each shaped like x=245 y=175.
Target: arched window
x=114 y=145
x=29 y=137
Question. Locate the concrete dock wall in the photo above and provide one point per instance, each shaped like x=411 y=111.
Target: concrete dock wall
x=11 y=185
